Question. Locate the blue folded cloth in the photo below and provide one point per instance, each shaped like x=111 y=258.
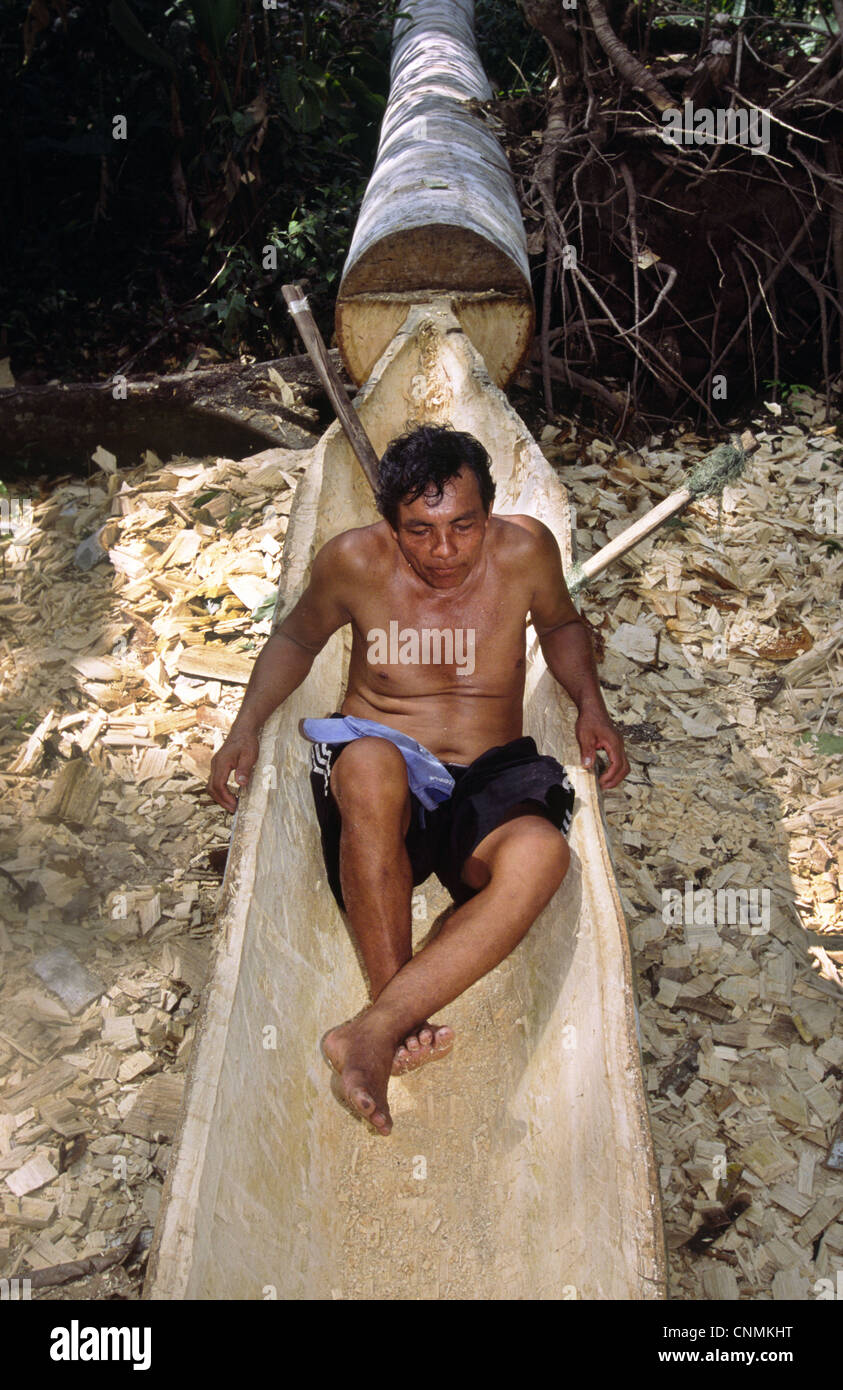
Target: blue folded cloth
x=429 y=779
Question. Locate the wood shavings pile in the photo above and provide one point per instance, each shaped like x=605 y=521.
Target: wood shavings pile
x=724 y=666
x=722 y=660
x=120 y=677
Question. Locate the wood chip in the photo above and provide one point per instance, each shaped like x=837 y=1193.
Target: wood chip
x=156 y=1109
x=784 y=1194
x=61 y=972
x=35 y=1213
x=834 y=1158
x=720 y=1283
x=768 y=1159
x=788 y=1104
x=136 y=1065
x=216 y=663
x=120 y=1032
x=826 y=1210
x=74 y=796
x=51 y=1077
x=197 y=760
x=34 y=1174
x=61 y=1116
x=790 y=1285
x=823 y=1103
x=186 y=959
x=149 y=913
x=97 y=668
x=637 y=642
x=30 y=755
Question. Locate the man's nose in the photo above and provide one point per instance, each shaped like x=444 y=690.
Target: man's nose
x=443 y=545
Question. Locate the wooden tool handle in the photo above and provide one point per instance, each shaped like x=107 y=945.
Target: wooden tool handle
x=644 y=526
x=328 y=375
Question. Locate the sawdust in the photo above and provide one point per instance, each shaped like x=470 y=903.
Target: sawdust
x=725 y=683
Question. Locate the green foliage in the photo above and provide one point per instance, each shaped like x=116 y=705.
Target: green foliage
x=265 y=608
x=132 y=32
x=765 y=19
x=827 y=745
x=215 y=21
x=787 y=389
x=247 y=128
x=513 y=54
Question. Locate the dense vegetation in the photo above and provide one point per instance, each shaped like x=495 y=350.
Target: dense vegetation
x=682 y=273
x=170 y=166
x=245 y=128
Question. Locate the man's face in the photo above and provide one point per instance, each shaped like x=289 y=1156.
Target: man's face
x=441 y=537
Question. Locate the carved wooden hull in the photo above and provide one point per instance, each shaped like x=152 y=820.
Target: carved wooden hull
x=520 y=1167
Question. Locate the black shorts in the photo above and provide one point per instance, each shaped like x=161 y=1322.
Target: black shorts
x=439 y=841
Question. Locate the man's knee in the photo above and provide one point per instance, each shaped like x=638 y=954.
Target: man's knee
x=531 y=843
x=370 y=775
x=558 y=860
x=542 y=846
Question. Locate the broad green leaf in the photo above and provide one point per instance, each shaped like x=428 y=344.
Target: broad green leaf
x=827 y=745
x=132 y=32
x=265 y=608
x=289 y=87
x=215 y=20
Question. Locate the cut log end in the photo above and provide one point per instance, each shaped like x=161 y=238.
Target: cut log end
x=501 y=327
x=440 y=216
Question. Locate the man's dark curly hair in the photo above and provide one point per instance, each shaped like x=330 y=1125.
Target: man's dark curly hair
x=424 y=460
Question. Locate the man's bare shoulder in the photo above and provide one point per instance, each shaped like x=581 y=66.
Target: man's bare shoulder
x=353 y=553
x=523 y=537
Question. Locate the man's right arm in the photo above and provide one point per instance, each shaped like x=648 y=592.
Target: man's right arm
x=284 y=662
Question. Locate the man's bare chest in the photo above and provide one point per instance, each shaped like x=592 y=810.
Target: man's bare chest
x=400 y=634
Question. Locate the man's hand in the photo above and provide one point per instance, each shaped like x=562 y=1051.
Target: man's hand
x=594 y=729
x=238 y=754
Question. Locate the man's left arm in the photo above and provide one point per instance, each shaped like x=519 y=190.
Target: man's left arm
x=566 y=644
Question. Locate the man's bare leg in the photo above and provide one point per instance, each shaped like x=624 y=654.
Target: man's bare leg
x=521 y=863
x=369 y=783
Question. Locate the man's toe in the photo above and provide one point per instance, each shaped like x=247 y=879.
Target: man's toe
x=361 y=1099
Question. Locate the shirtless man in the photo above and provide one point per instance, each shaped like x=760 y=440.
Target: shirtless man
x=440 y=562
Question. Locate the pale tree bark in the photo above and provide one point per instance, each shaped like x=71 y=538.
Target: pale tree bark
x=440 y=214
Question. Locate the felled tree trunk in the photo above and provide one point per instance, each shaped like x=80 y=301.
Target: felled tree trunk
x=231 y=409
x=440 y=213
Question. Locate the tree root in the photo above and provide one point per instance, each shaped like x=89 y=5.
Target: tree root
x=714 y=265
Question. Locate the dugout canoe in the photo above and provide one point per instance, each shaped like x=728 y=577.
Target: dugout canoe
x=520 y=1167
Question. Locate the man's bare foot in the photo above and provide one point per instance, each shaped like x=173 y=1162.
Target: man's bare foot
x=362 y=1057
x=425 y=1044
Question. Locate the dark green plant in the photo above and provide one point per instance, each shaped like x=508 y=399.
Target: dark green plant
x=247 y=128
